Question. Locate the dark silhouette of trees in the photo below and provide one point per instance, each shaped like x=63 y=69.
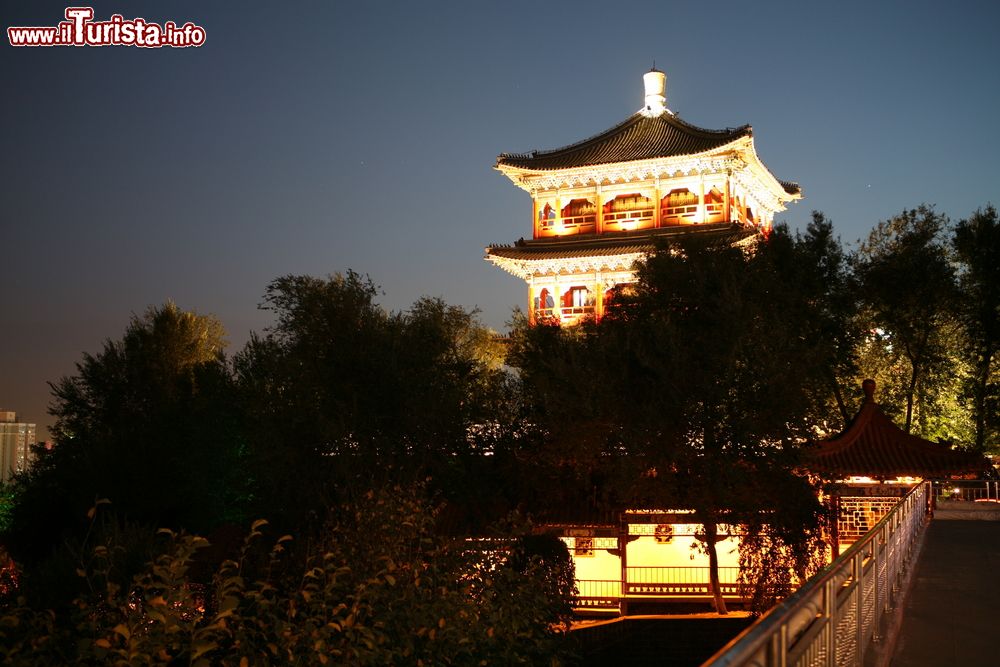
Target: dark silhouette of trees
x=146 y=424
x=976 y=245
x=818 y=292
x=342 y=395
x=347 y=425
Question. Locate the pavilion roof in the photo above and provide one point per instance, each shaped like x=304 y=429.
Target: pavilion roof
x=639 y=137
x=873 y=446
x=613 y=243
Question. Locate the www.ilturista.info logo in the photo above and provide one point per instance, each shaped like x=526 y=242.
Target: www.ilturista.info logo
x=79 y=29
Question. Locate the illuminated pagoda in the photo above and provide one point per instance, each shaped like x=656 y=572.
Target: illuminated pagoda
x=600 y=204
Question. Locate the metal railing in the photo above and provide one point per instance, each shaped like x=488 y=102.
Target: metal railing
x=971 y=490
x=838 y=617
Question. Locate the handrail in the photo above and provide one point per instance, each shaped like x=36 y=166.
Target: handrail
x=835 y=618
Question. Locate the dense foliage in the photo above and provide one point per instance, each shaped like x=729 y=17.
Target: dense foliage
x=928 y=304
x=379 y=587
x=339 y=400
x=148 y=422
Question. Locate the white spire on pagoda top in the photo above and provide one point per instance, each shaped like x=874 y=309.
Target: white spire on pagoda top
x=655 y=83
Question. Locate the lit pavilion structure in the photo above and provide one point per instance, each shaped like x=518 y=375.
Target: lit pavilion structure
x=599 y=205
x=873 y=463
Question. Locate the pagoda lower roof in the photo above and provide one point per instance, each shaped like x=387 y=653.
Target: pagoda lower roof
x=615 y=243
x=639 y=137
x=873 y=446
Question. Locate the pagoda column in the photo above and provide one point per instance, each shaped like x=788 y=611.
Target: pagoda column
x=623 y=558
x=531 y=301
x=534 y=216
x=599 y=202
x=702 y=215
x=657 y=210
x=727 y=205
x=598 y=296
x=557 y=298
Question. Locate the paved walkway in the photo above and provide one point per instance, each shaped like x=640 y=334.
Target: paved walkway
x=951 y=616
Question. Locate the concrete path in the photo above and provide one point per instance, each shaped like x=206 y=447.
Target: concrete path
x=951 y=615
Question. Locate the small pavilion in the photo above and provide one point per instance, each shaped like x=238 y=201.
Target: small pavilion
x=873 y=463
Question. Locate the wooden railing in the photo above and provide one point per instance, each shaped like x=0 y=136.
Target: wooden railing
x=598 y=593
x=678 y=581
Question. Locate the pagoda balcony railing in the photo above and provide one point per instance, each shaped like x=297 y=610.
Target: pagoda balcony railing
x=598 y=593
x=564 y=312
x=838 y=617
x=678 y=581
x=619 y=217
x=679 y=211
x=579 y=220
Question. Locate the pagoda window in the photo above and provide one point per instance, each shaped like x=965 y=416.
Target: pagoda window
x=680 y=207
x=577 y=301
x=579 y=214
x=583 y=547
x=632 y=211
x=714 y=205
x=544 y=304
x=546 y=217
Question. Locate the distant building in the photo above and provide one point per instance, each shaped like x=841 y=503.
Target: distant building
x=16 y=439
x=599 y=205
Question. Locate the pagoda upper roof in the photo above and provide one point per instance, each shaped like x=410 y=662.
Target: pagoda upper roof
x=614 y=243
x=639 y=137
x=873 y=446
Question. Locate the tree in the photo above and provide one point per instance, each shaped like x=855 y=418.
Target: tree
x=341 y=395
x=818 y=292
x=908 y=285
x=693 y=379
x=976 y=245
x=146 y=423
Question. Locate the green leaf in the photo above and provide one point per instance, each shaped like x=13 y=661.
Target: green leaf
x=201 y=649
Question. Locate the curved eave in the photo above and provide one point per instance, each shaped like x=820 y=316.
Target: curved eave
x=617 y=251
x=875 y=447
x=528 y=267
x=526 y=174
x=741 y=150
x=783 y=191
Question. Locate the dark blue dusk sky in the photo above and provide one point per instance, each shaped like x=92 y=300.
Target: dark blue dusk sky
x=310 y=138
